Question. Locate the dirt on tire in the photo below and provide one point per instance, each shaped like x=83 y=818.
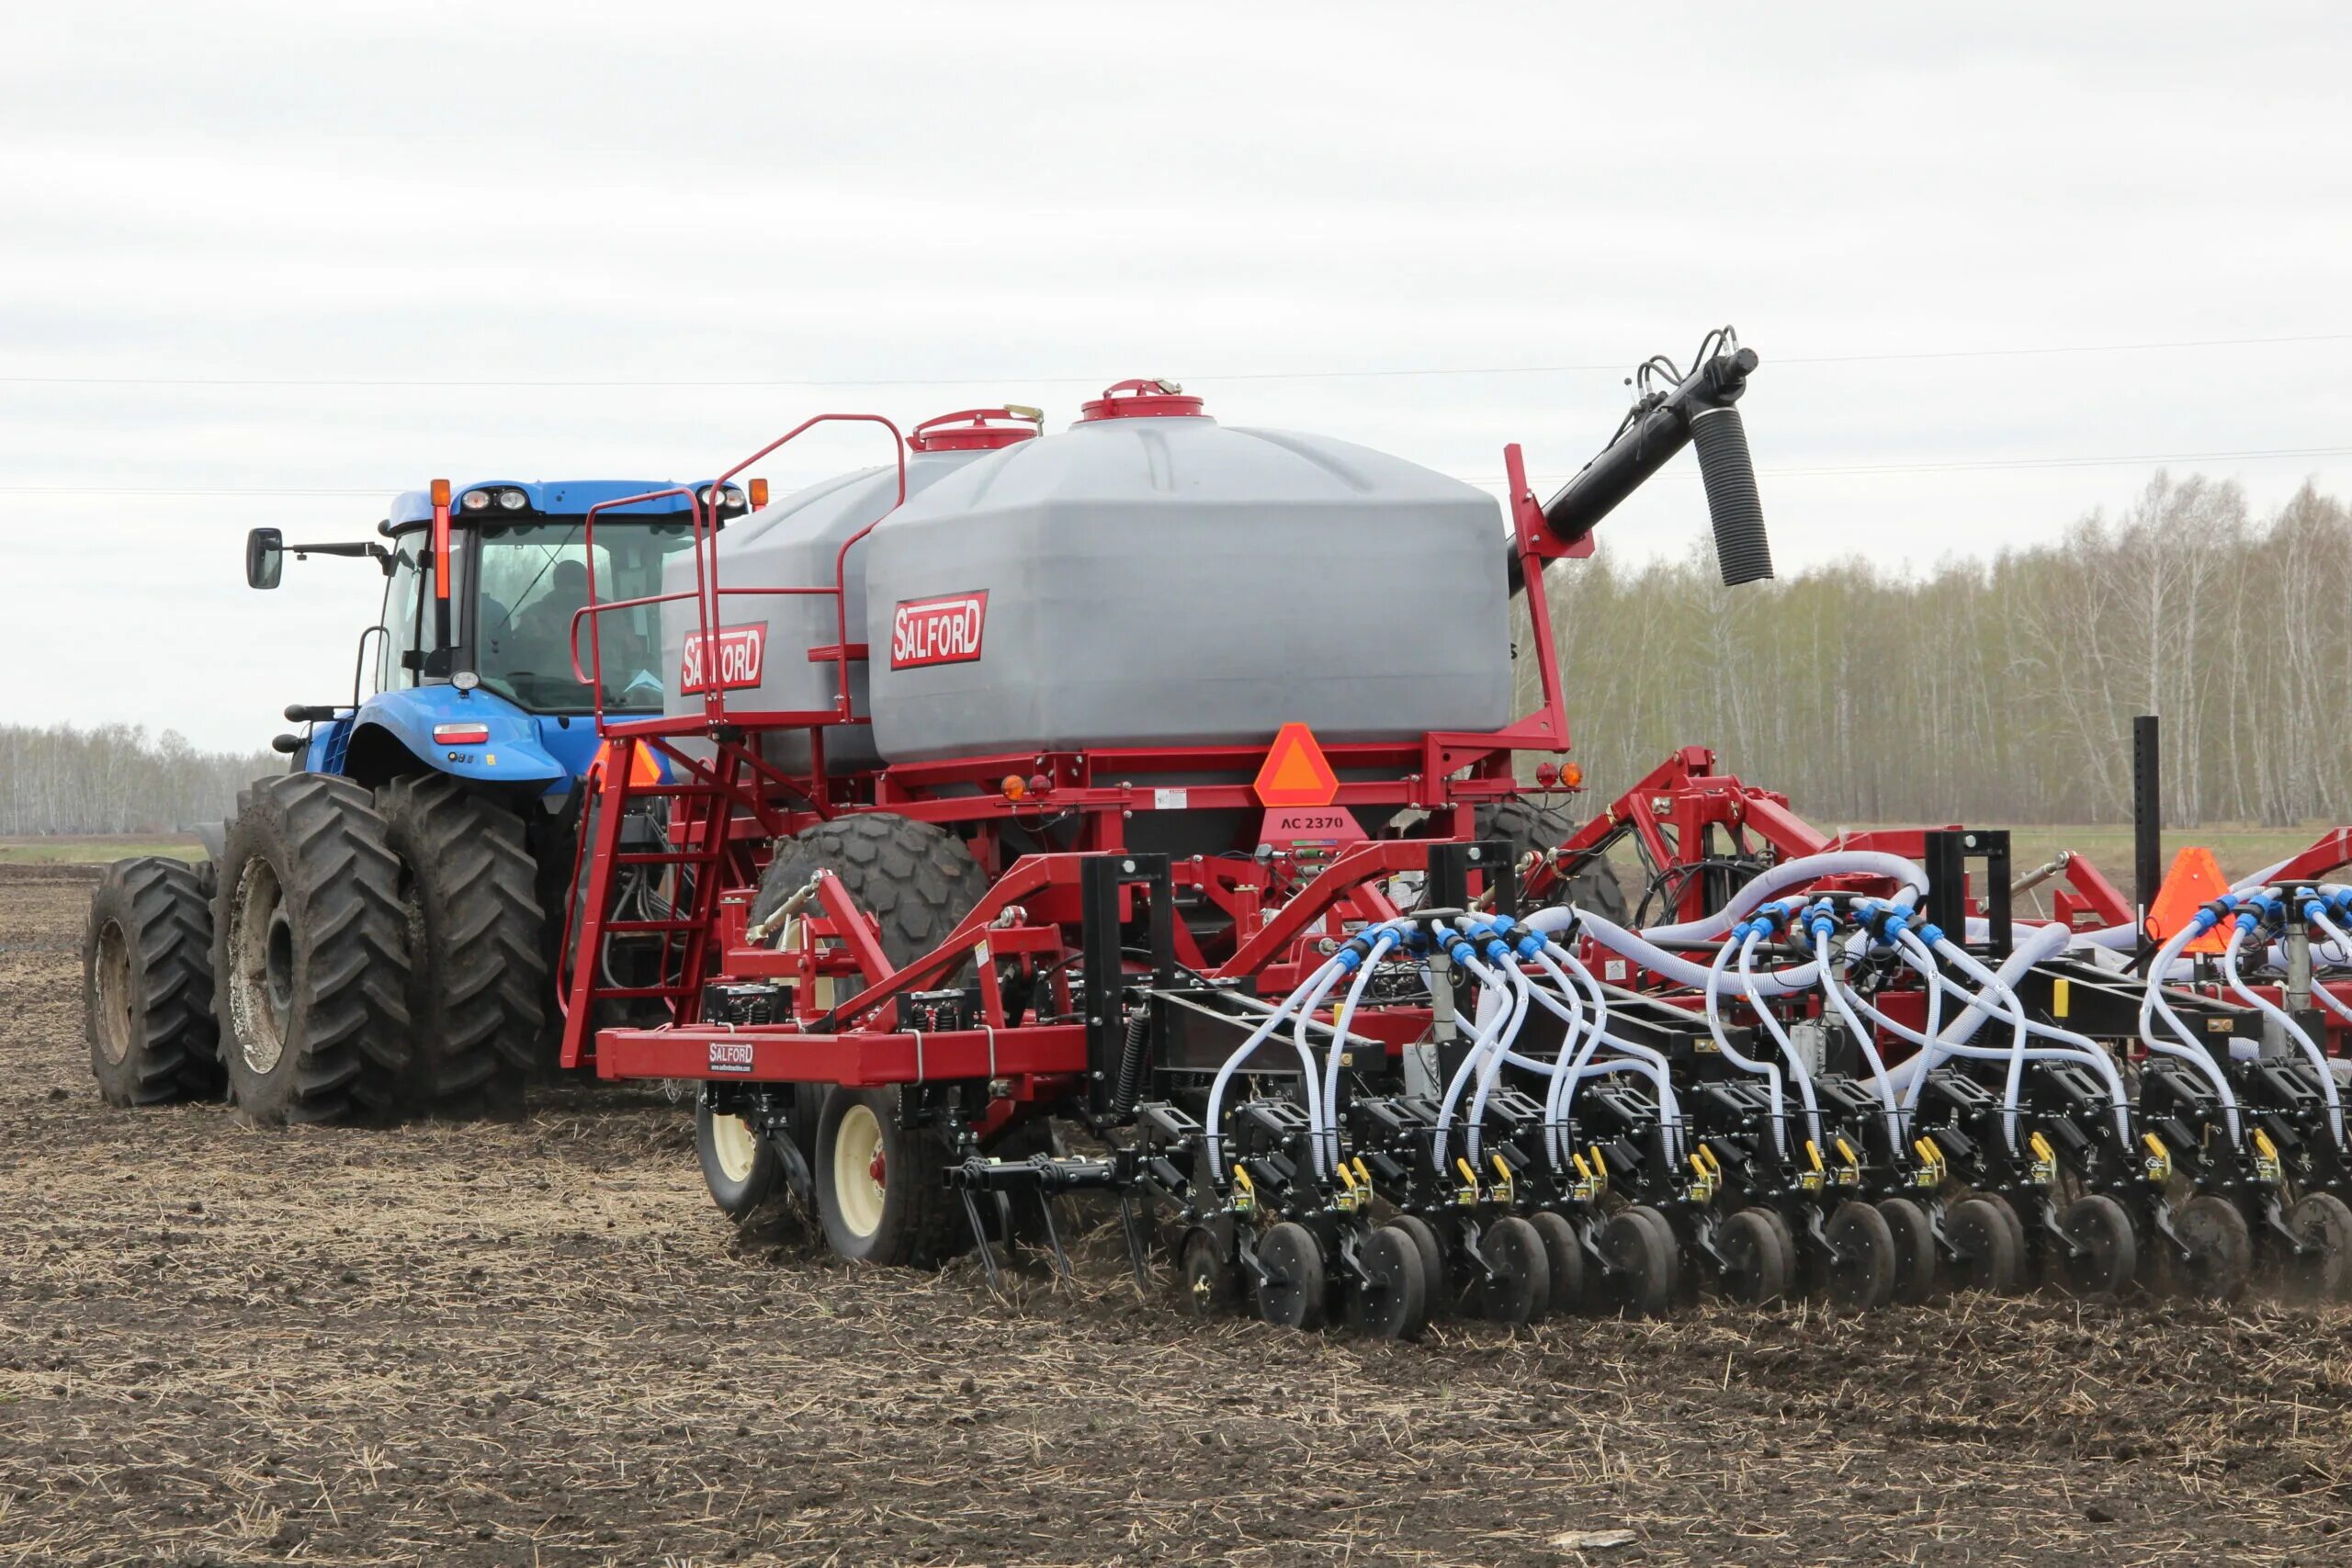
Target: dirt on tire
x=538 y=1343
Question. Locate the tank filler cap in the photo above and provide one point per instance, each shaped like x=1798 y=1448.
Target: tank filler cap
x=978 y=429
x=1141 y=399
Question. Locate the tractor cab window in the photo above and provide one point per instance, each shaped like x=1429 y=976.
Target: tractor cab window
x=404 y=606
x=534 y=581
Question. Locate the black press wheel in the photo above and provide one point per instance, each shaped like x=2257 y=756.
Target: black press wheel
x=1517 y=1285
x=1424 y=1236
x=1643 y=1260
x=1564 y=1257
x=147 y=985
x=1291 y=1294
x=1392 y=1302
x=479 y=987
x=1862 y=1261
x=1984 y=1249
x=881 y=1187
x=310 y=955
x=2323 y=1225
x=1207 y=1284
x=1915 y=1249
x=1758 y=1266
x=2221 y=1248
x=2104 y=1253
x=2017 y=1236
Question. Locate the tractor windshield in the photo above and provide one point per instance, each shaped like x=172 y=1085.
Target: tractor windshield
x=534 y=578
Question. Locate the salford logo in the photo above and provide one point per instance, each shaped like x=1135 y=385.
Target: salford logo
x=736 y=665
x=945 y=630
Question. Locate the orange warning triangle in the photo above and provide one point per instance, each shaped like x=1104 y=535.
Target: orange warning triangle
x=1296 y=772
x=2194 y=881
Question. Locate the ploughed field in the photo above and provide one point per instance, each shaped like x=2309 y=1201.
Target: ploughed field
x=537 y=1343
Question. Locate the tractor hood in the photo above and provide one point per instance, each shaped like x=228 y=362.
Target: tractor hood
x=524 y=749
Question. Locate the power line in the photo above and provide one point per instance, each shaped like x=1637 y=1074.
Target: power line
x=2274 y=454
x=445 y=383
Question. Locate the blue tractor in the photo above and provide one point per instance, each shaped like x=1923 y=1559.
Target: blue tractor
x=375 y=933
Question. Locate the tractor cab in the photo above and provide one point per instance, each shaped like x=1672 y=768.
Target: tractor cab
x=480 y=664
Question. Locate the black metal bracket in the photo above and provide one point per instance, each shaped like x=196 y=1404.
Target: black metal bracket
x=1949 y=851
x=1103 y=957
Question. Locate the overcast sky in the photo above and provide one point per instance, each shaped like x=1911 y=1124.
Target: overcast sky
x=200 y=204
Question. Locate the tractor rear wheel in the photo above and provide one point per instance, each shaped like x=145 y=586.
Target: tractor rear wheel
x=478 y=982
x=1542 y=829
x=147 y=985
x=881 y=1187
x=310 y=955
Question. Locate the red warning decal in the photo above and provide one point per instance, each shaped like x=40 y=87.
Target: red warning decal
x=1311 y=825
x=944 y=630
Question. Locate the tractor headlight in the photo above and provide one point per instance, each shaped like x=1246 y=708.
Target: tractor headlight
x=475 y=501
x=513 y=500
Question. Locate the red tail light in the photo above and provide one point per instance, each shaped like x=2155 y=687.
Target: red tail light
x=460 y=734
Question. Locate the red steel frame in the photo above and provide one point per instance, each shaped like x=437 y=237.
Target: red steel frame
x=725 y=803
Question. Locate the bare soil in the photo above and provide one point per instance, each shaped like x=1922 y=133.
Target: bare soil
x=537 y=1343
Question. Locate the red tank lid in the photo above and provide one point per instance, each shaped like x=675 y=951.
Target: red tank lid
x=980 y=434
x=1142 y=400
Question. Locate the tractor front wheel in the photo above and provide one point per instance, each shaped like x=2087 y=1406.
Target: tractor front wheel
x=310 y=955
x=147 y=985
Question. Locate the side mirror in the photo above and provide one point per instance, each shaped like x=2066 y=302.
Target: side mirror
x=265 y=558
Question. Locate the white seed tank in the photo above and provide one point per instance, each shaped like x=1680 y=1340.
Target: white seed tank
x=1151 y=578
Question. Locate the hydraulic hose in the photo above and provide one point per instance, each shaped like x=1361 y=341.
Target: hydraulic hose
x=2188 y=1048
x=1862 y=1035
x=1381 y=938
x=2247 y=922
x=1215 y=1140
x=1788 y=874
x=1730 y=1053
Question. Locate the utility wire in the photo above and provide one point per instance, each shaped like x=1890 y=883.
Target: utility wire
x=446 y=383
x=2132 y=460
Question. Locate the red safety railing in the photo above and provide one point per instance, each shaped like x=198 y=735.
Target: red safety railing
x=709 y=594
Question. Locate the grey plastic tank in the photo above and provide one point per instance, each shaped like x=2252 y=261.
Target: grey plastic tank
x=1151 y=578
x=795 y=543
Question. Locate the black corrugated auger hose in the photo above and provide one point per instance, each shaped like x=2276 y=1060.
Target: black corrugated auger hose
x=1742 y=551
x=1660 y=424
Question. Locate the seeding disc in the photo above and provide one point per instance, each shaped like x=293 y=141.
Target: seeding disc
x=1424 y=1236
x=1642 y=1258
x=1291 y=1295
x=1564 y=1257
x=2107 y=1252
x=1205 y=1281
x=1915 y=1249
x=1862 y=1267
x=2221 y=1248
x=2323 y=1222
x=1757 y=1263
x=1393 y=1304
x=1979 y=1231
x=1518 y=1288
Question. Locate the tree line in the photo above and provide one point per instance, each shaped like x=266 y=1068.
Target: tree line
x=117 y=778
x=1997 y=689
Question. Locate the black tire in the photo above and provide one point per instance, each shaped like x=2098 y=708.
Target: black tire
x=309 y=955
x=1564 y=1256
x=2322 y=1224
x=1542 y=829
x=1984 y=1247
x=147 y=985
x=1393 y=1304
x=740 y=1166
x=1520 y=1288
x=1758 y=1266
x=905 y=1218
x=1915 y=1250
x=479 y=990
x=1292 y=1294
x=1433 y=1271
x=1644 y=1261
x=2107 y=1252
x=1208 y=1283
x=2220 y=1247
x=1862 y=1274
x=916 y=880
